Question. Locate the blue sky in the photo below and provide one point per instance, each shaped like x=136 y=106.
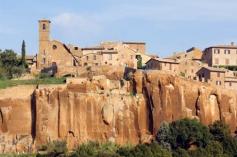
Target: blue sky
x=165 y=25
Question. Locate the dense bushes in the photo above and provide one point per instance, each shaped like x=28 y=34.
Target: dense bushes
x=184 y=133
x=10 y=65
x=189 y=138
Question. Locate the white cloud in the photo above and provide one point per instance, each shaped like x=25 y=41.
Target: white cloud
x=160 y=12
x=72 y=23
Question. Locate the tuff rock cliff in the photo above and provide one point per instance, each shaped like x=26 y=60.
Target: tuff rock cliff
x=107 y=110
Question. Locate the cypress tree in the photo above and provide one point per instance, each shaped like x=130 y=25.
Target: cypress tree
x=23 y=54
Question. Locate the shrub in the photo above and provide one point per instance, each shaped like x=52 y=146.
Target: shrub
x=219 y=130
x=125 y=151
x=180 y=153
x=163 y=135
x=93 y=149
x=54 y=148
x=184 y=133
x=44 y=75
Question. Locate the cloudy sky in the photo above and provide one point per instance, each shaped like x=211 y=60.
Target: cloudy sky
x=165 y=25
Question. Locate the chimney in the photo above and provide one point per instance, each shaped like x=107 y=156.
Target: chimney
x=232 y=44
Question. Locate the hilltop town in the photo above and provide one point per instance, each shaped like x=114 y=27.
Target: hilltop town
x=118 y=93
x=215 y=65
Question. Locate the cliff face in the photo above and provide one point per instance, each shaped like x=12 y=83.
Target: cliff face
x=170 y=98
x=81 y=113
x=106 y=110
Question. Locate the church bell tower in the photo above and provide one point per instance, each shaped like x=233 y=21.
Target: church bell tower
x=44 y=43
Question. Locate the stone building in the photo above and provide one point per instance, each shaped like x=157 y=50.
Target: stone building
x=188 y=68
x=162 y=64
x=213 y=76
x=53 y=53
x=220 y=55
x=192 y=53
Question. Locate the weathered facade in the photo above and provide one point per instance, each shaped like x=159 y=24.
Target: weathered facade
x=221 y=55
x=162 y=64
x=214 y=76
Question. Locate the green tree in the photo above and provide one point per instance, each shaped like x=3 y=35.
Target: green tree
x=158 y=151
x=221 y=133
x=219 y=130
x=186 y=132
x=214 y=149
x=139 y=62
x=8 y=59
x=8 y=63
x=23 y=54
x=180 y=153
x=163 y=135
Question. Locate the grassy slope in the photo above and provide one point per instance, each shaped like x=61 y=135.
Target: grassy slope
x=10 y=83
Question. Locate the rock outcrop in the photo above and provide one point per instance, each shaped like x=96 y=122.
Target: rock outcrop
x=108 y=110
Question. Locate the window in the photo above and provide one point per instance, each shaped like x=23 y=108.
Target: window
x=87 y=57
x=218 y=74
x=85 y=64
x=44 y=26
x=218 y=83
x=54 y=47
x=96 y=64
x=110 y=57
x=74 y=63
x=216 y=51
x=75 y=48
x=227 y=51
x=94 y=57
x=192 y=70
x=230 y=84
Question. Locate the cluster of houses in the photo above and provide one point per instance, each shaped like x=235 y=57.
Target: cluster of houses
x=215 y=65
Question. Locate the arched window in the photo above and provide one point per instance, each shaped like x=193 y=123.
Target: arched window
x=54 y=47
x=44 y=26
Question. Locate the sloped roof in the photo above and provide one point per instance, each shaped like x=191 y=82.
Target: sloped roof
x=215 y=69
x=164 y=60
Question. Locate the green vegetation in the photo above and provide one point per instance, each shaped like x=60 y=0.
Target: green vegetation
x=23 y=55
x=49 y=80
x=10 y=65
x=182 y=138
x=229 y=67
x=182 y=74
x=139 y=62
x=189 y=138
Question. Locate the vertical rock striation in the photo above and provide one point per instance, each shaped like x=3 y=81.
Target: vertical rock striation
x=108 y=110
